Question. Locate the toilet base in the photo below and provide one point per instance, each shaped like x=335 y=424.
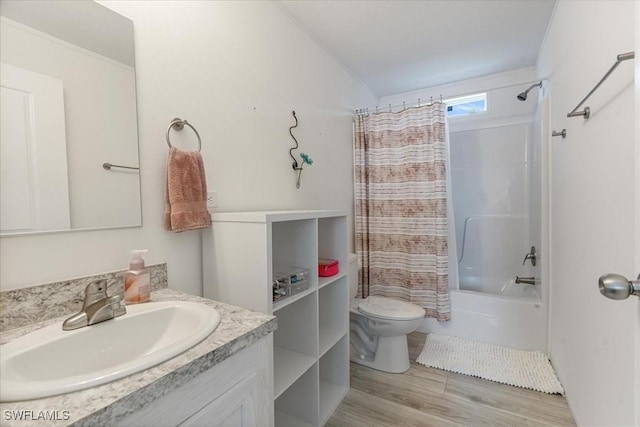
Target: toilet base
x=392 y=355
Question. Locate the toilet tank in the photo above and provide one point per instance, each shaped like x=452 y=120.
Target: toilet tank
x=353 y=276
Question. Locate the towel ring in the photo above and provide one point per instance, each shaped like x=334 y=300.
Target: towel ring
x=178 y=124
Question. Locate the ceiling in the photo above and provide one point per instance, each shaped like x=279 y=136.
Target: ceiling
x=82 y=23
x=399 y=46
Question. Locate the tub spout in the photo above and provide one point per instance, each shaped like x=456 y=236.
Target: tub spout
x=526 y=280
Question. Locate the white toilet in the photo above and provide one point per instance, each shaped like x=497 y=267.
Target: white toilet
x=379 y=327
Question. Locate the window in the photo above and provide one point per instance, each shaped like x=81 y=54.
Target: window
x=466 y=105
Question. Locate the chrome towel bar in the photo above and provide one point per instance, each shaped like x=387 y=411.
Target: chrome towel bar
x=586 y=112
x=108 y=166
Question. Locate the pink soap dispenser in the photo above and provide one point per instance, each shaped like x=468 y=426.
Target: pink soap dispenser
x=137 y=281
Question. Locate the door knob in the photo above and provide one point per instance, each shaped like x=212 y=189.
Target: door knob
x=616 y=286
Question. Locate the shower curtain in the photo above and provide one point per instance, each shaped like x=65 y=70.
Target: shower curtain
x=401 y=207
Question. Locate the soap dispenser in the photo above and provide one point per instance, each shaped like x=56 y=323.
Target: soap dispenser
x=137 y=281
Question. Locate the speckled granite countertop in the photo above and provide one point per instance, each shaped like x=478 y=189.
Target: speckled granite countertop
x=106 y=404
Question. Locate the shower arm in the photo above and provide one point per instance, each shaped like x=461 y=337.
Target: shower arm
x=539 y=84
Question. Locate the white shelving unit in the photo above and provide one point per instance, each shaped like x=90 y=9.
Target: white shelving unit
x=311 y=344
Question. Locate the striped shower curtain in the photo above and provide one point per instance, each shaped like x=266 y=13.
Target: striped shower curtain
x=401 y=207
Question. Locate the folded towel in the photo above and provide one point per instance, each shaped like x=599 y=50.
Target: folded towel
x=186 y=192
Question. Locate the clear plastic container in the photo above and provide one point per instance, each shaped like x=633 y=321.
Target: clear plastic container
x=289 y=281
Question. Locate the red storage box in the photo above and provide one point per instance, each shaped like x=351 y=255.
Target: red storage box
x=327 y=267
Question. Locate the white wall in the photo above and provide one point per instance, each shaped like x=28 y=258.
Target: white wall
x=100 y=111
x=235 y=70
x=592 y=183
x=637 y=180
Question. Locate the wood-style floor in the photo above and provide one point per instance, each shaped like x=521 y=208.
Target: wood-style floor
x=432 y=397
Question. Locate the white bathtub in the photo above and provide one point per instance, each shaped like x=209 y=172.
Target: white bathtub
x=486 y=303
x=516 y=322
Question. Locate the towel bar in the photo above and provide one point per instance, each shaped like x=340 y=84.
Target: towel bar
x=586 y=112
x=108 y=166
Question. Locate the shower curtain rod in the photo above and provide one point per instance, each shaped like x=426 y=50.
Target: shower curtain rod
x=404 y=105
x=388 y=108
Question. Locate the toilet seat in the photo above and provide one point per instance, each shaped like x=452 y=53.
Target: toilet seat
x=390 y=309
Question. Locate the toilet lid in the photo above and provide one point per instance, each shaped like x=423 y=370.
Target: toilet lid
x=388 y=308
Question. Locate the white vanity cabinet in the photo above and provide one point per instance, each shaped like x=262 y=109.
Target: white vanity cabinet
x=311 y=344
x=235 y=393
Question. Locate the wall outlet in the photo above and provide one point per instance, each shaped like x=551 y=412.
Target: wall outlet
x=212 y=199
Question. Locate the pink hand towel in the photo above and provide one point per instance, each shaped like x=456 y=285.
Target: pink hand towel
x=186 y=192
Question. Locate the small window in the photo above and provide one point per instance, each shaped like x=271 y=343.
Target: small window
x=466 y=105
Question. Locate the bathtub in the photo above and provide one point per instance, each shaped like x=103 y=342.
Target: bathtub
x=486 y=303
x=514 y=319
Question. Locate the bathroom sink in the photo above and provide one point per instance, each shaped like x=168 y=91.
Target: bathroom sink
x=51 y=361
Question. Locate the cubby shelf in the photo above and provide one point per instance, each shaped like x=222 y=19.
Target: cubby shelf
x=330 y=397
x=311 y=344
x=334 y=378
x=288 y=366
x=290 y=300
x=324 y=281
x=285 y=420
x=328 y=338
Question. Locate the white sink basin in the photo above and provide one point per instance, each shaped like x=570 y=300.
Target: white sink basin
x=51 y=361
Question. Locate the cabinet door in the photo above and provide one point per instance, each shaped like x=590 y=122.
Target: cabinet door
x=240 y=387
x=235 y=408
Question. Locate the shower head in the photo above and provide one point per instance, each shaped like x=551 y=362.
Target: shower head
x=523 y=96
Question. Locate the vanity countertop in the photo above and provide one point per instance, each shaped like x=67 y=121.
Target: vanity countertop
x=107 y=403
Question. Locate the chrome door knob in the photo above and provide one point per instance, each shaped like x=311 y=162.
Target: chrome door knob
x=616 y=286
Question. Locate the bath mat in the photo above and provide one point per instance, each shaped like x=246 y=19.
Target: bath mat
x=520 y=368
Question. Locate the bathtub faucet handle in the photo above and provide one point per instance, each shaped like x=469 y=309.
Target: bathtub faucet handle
x=531 y=255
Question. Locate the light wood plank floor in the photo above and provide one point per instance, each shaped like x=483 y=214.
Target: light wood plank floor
x=432 y=397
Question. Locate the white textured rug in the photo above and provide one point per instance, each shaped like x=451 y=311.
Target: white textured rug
x=520 y=368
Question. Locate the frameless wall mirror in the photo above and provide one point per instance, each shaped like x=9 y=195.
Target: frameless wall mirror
x=68 y=106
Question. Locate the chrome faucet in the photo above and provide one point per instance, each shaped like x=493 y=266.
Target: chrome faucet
x=97 y=307
x=531 y=255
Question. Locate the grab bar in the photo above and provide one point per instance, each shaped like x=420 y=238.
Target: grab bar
x=586 y=112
